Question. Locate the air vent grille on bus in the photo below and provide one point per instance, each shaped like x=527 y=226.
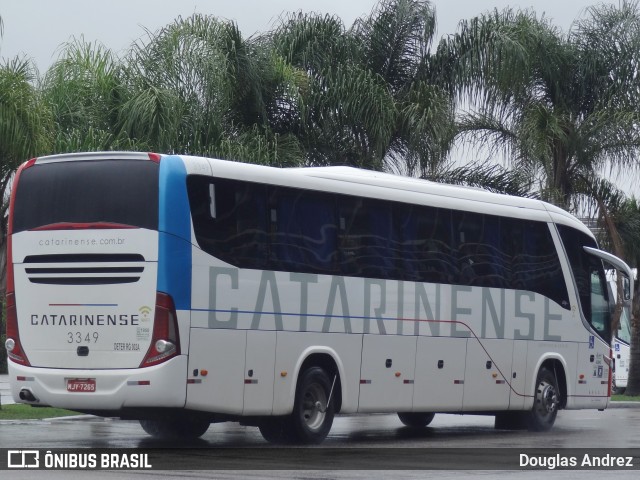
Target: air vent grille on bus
x=81 y=269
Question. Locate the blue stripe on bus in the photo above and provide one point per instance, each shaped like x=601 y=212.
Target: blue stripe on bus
x=174 y=227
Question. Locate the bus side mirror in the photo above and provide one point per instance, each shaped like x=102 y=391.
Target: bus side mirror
x=621 y=267
x=626 y=289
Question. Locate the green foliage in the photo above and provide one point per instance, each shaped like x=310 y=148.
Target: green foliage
x=310 y=92
x=369 y=100
x=561 y=106
x=83 y=90
x=625 y=398
x=27 y=412
x=24 y=119
x=489 y=176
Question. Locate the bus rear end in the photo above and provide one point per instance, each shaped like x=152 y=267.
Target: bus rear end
x=87 y=326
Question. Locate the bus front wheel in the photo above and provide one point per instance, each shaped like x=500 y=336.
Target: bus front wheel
x=546 y=402
x=415 y=419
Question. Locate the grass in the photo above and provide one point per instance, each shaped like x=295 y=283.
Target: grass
x=625 y=398
x=27 y=412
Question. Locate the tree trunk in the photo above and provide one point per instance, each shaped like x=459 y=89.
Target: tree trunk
x=618 y=251
x=633 y=384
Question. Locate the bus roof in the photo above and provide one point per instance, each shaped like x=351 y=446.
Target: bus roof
x=350 y=180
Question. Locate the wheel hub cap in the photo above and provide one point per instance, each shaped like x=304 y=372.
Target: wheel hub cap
x=549 y=399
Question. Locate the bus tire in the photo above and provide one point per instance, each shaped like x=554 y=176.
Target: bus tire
x=313 y=410
x=545 y=402
x=275 y=430
x=416 y=419
x=511 y=421
x=184 y=428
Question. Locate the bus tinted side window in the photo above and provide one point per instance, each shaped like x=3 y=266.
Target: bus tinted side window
x=589 y=276
x=230 y=220
x=535 y=265
x=482 y=259
x=304 y=231
x=426 y=242
x=367 y=238
x=251 y=225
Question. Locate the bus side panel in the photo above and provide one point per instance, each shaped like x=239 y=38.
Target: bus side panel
x=220 y=353
x=295 y=347
x=260 y=359
x=621 y=354
x=487 y=371
x=439 y=381
x=517 y=396
x=174 y=266
x=174 y=243
x=387 y=374
x=591 y=391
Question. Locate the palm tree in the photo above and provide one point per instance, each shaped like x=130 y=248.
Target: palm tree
x=196 y=86
x=561 y=107
x=489 y=176
x=24 y=126
x=368 y=100
x=308 y=92
x=84 y=91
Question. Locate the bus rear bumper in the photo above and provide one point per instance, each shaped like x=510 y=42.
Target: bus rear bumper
x=162 y=385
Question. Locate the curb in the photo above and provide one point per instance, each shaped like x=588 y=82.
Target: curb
x=53 y=419
x=624 y=405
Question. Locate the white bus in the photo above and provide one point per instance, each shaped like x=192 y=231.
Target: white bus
x=621 y=341
x=183 y=291
x=622 y=352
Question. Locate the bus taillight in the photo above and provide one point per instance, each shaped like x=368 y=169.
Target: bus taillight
x=165 y=342
x=12 y=344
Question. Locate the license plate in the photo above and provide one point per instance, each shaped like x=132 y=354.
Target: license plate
x=87 y=385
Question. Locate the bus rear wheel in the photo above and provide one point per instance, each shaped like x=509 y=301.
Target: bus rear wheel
x=546 y=402
x=313 y=409
x=184 y=428
x=416 y=419
x=275 y=430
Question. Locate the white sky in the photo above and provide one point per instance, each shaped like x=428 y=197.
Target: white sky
x=37 y=28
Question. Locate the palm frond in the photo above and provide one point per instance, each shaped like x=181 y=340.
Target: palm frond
x=397 y=37
x=488 y=176
x=24 y=118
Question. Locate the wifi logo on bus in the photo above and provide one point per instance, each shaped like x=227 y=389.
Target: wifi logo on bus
x=145 y=313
